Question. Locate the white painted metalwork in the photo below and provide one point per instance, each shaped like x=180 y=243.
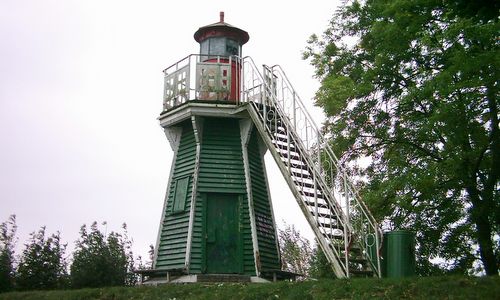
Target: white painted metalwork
x=245 y=132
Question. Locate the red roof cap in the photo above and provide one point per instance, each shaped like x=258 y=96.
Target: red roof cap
x=221 y=29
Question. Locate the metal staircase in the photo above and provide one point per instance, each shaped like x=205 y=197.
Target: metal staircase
x=345 y=230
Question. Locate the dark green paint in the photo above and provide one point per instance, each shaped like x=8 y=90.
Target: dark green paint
x=173 y=237
x=222 y=235
x=399 y=254
x=221 y=173
x=180 y=194
x=269 y=257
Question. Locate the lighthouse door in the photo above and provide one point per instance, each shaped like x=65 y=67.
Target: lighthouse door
x=222 y=233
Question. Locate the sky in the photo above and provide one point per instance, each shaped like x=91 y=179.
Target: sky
x=81 y=87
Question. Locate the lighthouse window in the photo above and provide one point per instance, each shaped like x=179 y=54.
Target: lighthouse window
x=180 y=194
x=217 y=46
x=232 y=47
x=204 y=46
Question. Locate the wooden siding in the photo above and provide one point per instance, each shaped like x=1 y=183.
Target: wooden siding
x=269 y=258
x=173 y=238
x=221 y=171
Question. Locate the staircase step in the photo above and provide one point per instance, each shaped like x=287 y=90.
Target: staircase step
x=281 y=138
x=277 y=128
x=301 y=167
x=357 y=260
x=362 y=273
x=292 y=156
x=306 y=185
x=309 y=194
x=302 y=176
x=333 y=236
x=312 y=204
x=295 y=166
x=328 y=216
x=284 y=146
x=355 y=250
x=330 y=225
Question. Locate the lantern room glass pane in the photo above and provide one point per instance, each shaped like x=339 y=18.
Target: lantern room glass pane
x=232 y=47
x=204 y=46
x=220 y=46
x=217 y=46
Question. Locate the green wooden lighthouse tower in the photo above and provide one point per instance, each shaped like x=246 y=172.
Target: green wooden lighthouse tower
x=221 y=114
x=217 y=217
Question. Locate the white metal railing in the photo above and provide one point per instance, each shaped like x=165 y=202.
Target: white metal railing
x=202 y=77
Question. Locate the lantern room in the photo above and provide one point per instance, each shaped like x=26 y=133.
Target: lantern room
x=217 y=69
x=221 y=39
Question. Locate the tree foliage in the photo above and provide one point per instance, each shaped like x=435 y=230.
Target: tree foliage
x=101 y=260
x=42 y=264
x=7 y=244
x=413 y=86
x=320 y=267
x=148 y=265
x=295 y=250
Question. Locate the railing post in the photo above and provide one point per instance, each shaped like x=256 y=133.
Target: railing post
x=346 y=226
x=307 y=135
x=294 y=112
x=265 y=94
x=315 y=196
x=320 y=165
x=377 y=244
x=346 y=189
x=288 y=148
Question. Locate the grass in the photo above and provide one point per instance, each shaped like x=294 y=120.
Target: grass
x=446 y=287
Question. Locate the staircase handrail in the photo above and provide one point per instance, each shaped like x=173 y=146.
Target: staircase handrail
x=349 y=188
x=330 y=152
x=364 y=219
x=334 y=204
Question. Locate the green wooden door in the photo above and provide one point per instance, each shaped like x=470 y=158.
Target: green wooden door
x=223 y=253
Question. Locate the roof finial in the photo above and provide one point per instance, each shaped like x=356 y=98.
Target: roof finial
x=221 y=15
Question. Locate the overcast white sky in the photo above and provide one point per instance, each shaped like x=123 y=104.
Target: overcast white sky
x=80 y=90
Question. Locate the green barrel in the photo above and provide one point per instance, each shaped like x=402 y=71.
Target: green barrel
x=399 y=254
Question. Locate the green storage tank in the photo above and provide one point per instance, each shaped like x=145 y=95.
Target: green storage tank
x=398 y=254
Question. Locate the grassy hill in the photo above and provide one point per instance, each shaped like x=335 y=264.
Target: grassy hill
x=447 y=287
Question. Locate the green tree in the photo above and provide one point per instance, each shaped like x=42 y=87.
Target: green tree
x=42 y=264
x=148 y=265
x=413 y=87
x=295 y=250
x=319 y=265
x=7 y=244
x=101 y=260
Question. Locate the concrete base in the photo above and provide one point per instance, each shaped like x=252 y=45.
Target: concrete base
x=205 y=278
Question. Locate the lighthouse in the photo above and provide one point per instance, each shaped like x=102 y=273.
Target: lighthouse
x=221 y=115
x=217 y=220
